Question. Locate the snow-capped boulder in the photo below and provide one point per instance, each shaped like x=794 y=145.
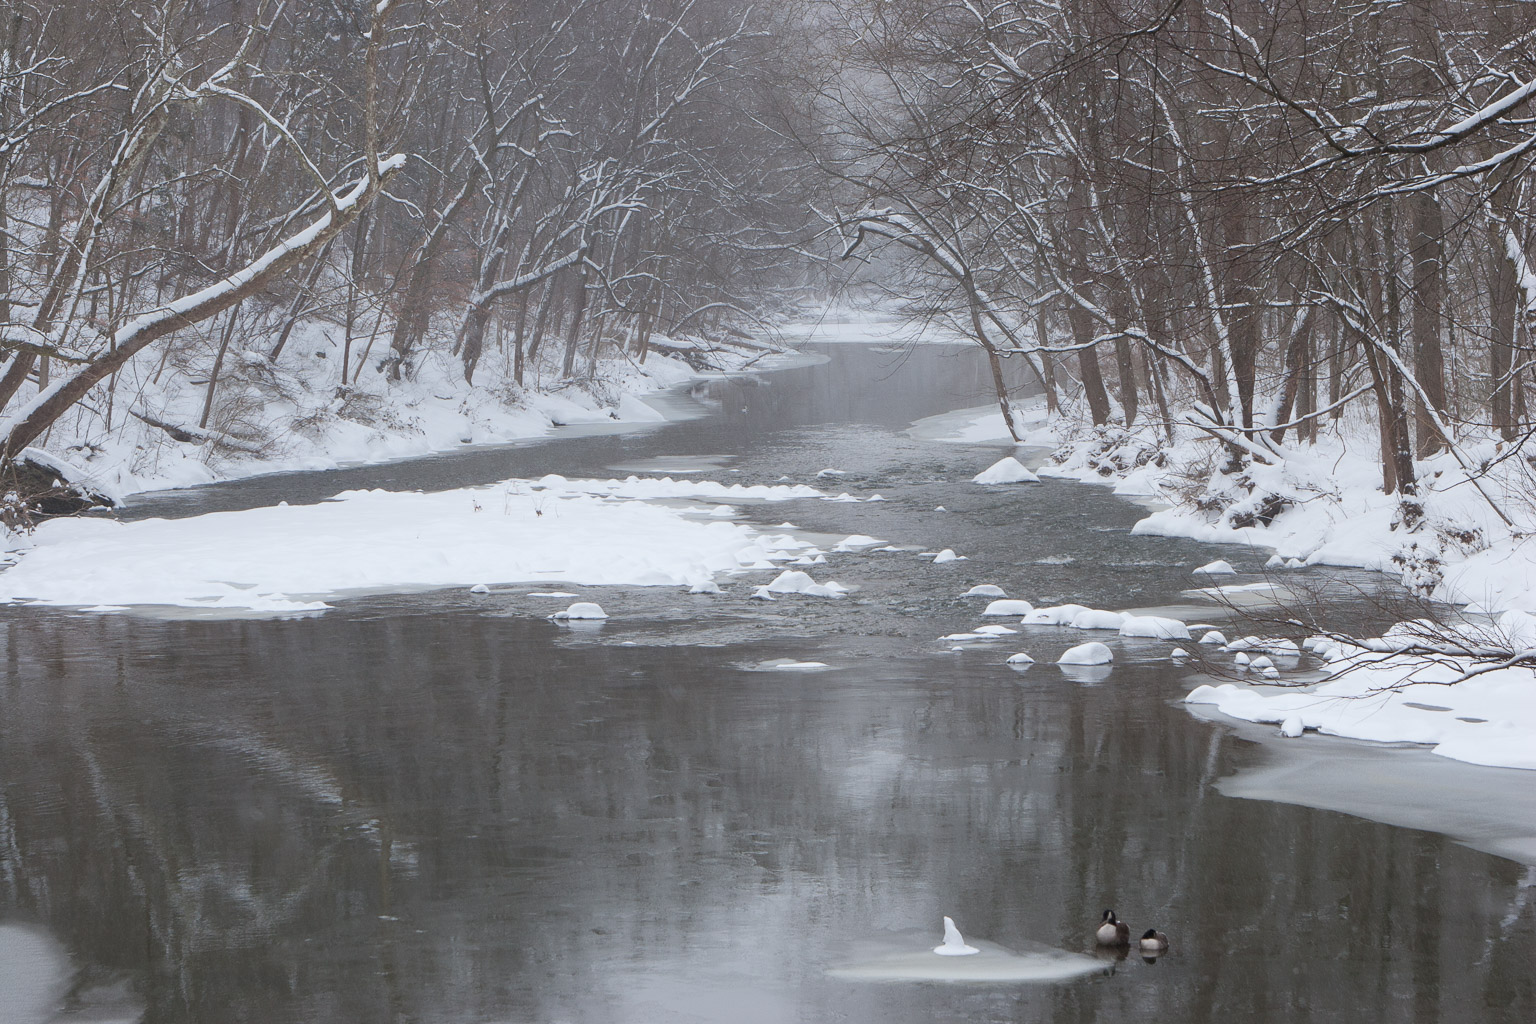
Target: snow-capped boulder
x=1220 y=567
x=1095 y=618
x=1214 y=638
x=1007 y=470
x=1056 y=615
x=1008 y=606
x=947 y=555
x=1087 y=654
x=1019 y=659
x=986 y=590
x=582 y=610
x=1154 y=626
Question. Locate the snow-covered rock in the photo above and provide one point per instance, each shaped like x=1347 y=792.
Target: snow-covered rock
x=1056 y=615
x=1291 y=727
x=1178 y=654
x=705 y=587
x=1007 y=470
x=1220 y=567
x=986 y=590
x=582 y=610
x=1087 y=654
x=1019 y=659
x=947 y=555
x=995 y=630
x=1095 y=618
x=1214 y=638
x=479 y=588
x=1008 y=606
x=1155 y=626
x=1241 y=661
x=793 y=581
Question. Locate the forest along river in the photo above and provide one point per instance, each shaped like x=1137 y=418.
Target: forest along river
x=443 y=807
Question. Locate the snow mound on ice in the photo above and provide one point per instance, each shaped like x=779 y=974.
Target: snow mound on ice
x=1007 y=470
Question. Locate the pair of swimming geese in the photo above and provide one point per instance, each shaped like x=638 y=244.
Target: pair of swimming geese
x=1115 y=932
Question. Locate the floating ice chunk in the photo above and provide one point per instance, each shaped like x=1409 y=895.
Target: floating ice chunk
x=968 y=636
x=549 y=593
x=1008 y=606
x=1214 y=637
x=1155 y=626
x=1219 y=567
x=791 y=665
x=705 y=587
x=1056 y=615
x=1087 y=654
x=856 y=541
x=987 y=590
x=1241 y=661
x=947 y=555
x=1178 y=654
x=1007 y=470
x=1019 y=659
x=1275 y=562
x=1291 y=727
x=995 y=630
x=829 y=471
x=479 y=588
x=1094 y=618
x=582 y=610
x=953 y=944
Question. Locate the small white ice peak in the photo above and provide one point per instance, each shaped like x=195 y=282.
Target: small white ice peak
x=954 y=943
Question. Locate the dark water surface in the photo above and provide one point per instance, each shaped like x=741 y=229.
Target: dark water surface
x=437 y=807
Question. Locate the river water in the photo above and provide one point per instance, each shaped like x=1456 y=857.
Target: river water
x=440 y=807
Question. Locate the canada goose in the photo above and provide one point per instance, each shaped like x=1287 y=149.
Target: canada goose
x=1154 y=941
x=1113 y=932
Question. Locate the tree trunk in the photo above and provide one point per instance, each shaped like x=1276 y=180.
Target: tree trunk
x=1503 y=302
x=1088 y=365
x=1428 y=298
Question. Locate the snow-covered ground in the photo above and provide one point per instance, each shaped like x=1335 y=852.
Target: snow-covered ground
x=294 y=414
x=1322 y=505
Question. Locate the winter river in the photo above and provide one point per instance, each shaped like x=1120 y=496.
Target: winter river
x=443 y=807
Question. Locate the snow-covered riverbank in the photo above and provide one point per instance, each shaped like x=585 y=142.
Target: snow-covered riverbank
x=1322 y=505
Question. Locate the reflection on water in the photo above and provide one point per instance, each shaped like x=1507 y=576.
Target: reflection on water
x=440 y=807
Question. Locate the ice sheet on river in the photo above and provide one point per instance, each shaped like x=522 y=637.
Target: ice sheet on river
x=279 y=559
